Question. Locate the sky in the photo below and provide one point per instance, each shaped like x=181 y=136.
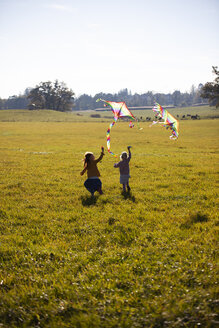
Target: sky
x=105 y=46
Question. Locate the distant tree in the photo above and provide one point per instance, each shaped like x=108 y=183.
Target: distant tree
x=16 y=102
x=210 y=90
x=176 y=98
x=123 y=93
x=48 y=95
x=186 y=99
x=84 y=102
x=197 y=99
x=192 y=91
x=27 y=92
x=160 y=98
x=2 y=103
x=149 y=98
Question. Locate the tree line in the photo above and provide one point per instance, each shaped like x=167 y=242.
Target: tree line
x=47 y=95
x=176 y=98
x=57 y=96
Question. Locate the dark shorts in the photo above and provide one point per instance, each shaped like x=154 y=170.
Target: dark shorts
x=93 y=185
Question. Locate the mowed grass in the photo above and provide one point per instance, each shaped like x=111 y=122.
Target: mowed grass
x=148 y=259
x=19 y=115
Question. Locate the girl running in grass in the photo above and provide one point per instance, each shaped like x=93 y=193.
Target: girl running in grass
x=93 y=182
x=124 y=169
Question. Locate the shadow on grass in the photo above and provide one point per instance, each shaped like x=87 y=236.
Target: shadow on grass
x=88 y=200
x=194 y=218
x=128 y=195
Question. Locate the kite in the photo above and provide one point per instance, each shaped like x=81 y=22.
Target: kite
x=119 y=109
x=169 y=121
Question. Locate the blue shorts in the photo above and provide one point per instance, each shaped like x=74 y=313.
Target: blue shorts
x=93 y=185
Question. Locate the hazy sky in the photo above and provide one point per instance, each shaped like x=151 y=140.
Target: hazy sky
x=98 y=45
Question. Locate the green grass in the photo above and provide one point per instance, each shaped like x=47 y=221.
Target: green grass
x=148 y=259
x=205 y=112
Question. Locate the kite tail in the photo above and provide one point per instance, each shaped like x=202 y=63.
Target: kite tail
x=174 y=135
x=131 y=125
x=108 y=138
x=139 y=128
x=154 y=122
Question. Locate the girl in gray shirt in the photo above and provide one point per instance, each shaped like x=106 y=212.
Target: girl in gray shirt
x=124 y=169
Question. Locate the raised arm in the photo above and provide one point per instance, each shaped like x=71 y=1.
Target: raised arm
x=130 y=155
x=101 y=155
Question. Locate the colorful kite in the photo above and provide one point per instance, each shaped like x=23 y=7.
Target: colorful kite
x=169 y=121
x=119 y=109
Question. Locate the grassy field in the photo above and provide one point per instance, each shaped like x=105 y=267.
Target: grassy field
x=145 y=259
x=205 y=112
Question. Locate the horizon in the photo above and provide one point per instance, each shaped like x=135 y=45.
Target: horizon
x=115 y=93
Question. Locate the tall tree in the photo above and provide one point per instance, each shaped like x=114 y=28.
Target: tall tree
x=176 y=97
x=16 y=102
x=48 y=95
x=210 y=90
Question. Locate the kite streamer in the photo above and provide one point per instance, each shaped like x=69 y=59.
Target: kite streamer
x=119 y=109
x=108 y=138
x=169 y=121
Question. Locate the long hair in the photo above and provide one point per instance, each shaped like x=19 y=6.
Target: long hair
x=87 y=158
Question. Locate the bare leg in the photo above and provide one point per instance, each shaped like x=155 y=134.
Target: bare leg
x=100 y=191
